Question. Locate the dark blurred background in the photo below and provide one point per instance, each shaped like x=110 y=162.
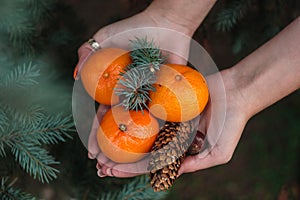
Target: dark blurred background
x=266 y=163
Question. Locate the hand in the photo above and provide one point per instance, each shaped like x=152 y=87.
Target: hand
x=147 y=18
x=229 y=135
x=183 y=16
x=248 y=88
x=223 y=121
x=144 y=19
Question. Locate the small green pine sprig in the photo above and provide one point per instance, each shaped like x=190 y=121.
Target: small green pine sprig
x=138 y=78
x=146 y=55
x=137 y=84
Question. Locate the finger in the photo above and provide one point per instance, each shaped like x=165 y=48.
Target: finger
x=197 y=162
x=132 y=169
x=93 y=147
x=205 y=118
x=102 y=109
x=85 y=50
x=102 y=159
x=98 y=166
x=126 y=170
x=100 y=173
x=213 y=153
x=83 y=53
x=106 y=167
x=121 y=174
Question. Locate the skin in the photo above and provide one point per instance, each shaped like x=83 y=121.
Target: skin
x=264 y=77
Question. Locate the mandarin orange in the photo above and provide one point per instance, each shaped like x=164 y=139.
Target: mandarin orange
x=126 y=136
x=100 y=74
x=181 y=93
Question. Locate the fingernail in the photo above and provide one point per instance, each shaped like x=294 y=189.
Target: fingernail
x=75 y=74
x=98 y=166
x=100 y=174
x=109 y=172
x=91 y=156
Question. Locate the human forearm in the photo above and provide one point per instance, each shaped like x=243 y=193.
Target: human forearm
x=186 y=13
x=270 y=73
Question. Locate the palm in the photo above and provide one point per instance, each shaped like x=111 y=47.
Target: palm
x=223 y=125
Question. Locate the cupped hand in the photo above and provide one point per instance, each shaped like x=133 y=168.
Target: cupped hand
x=177 y=48
x=147 y=19
x=223 y=122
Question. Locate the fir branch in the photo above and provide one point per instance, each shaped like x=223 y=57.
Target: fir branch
x=20 y=25
x=35 y=160
x=146 y=55
x=40 y=10
x=22 y=76
x=2 y=150
x=33 y=115
x=25 y=140
x=230 y=16
x=138 y=79
x=4 y=123
x=19 y=29
x=50 y=130
x=8 y=192
x=30 y=116
x=138 y=188
x=3 y=120
x=134 y=88
x=20 y=34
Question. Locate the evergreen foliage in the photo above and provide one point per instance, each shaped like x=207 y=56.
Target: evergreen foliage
x=39 y=39
x=230 y=16
x=21 y=21
x=25 y=133
x=253 y=20
x=146 y=55
x=30 y=122
x=21 y=76
x=138 y=188
x=8 y=192
x=137 y=80
x=137 y=84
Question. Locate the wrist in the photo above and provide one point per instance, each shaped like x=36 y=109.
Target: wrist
x=236 y=88
x=167 y=19
x=182 y=15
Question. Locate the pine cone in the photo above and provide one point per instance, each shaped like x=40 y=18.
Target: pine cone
x=197 y=144
x=168 y=152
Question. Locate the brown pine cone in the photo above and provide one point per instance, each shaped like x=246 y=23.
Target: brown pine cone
x=168 y=153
